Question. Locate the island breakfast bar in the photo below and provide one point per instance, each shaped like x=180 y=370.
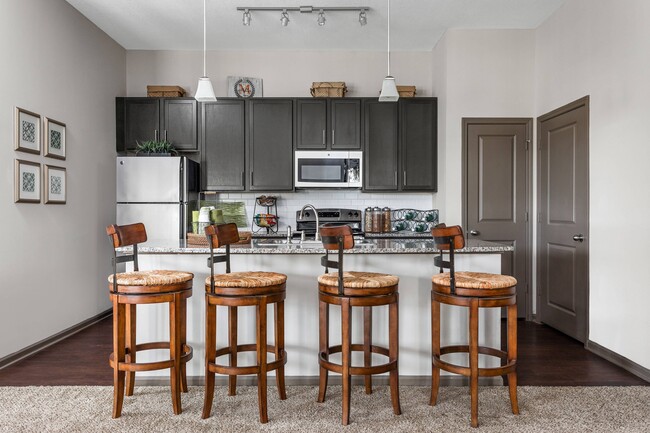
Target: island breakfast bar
x=410 y=259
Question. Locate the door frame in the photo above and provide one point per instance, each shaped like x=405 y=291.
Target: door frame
x=584 y=101
x=528 y=122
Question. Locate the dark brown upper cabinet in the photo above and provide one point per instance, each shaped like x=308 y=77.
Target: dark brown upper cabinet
x=418 y=129
x=401 y=152
x=223 y=145
x=143 y=119
x=270 y=156
x=328 y=124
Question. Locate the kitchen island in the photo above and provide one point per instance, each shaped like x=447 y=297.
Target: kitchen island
x=410 y=259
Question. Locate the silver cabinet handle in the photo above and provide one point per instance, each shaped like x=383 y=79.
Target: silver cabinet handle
x=155 y=135
x=323 y=137
x=404 y=178
x=332 y=137
x=165 y=135
x=474 y=232
x=251 y=178
x=395 y=178
x=243 y=179
x=578 y=238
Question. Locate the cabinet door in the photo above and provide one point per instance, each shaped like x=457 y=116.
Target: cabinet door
x=345 y=119
x=223 y=145
x=179 y=125
x=380 y=156
x=271 y=145
x=138 y=120
x=419 y=150
x=311 y=124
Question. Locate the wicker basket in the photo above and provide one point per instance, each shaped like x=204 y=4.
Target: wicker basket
x=165 y=91
x=196 y=240
x=406 y=91
x=331 y=89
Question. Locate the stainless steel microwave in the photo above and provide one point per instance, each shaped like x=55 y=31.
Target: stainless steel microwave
x=324 y=169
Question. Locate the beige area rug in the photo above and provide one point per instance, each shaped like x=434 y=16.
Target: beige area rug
x=552 y=409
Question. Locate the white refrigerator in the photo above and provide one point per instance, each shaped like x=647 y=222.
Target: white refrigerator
x=157 y=191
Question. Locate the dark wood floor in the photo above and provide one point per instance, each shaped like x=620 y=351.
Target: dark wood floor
x=546 y=357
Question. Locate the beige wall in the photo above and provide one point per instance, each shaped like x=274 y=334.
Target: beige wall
x=54 y=258
x=478 y=73
x=285 y=73
x=601 y=49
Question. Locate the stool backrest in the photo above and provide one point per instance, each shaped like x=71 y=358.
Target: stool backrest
x=219 y=236
x=124 y=236
x=336 y=237
x=448 y=239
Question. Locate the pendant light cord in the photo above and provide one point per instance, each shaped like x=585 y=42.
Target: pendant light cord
x=204 y=39
x=388 y=49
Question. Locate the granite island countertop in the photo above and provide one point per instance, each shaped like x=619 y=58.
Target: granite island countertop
x=367 y=246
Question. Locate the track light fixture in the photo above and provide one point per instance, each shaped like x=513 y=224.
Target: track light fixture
x=363 y=20
x=284 y=16
x=284 y=19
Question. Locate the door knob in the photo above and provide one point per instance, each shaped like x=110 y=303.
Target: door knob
x=578 y=238
x=474 y=233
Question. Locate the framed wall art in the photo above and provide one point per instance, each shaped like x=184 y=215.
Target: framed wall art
x=55 y=184
x=54 y=139
x=245 y=87
x=27 y=182
x=28 y=131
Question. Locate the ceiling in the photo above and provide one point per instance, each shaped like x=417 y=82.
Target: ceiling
x=416 y=25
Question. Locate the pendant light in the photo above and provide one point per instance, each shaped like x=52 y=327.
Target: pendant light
x=388 y=87
x=204 y=90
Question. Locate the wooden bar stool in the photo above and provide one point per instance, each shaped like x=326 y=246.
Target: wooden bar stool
x=355 y=289
x=239 y=289
x=129 y=289
x=473 y=290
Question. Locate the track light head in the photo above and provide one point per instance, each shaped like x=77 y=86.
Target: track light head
x=284 y=18
x=321 y=18
x=246 y=19
x=363 y=20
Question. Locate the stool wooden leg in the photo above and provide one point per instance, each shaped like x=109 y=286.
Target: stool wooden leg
x=261 y=360
x=130 y=346
x=210 y=349
x=118 y=356
x=175 y=351
x=367 y=343
x=232 y=342
x=393 y=350
x=435 y=350
x=346 y=336
x=183 y=344
x=473 y=358
x=323 y=338
x=512 y=356
x=279 y=347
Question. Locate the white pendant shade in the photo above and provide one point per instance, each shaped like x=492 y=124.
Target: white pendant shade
x=388 y=90
x=204 y=90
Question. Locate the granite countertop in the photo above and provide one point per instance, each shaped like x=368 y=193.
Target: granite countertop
x=373 y=246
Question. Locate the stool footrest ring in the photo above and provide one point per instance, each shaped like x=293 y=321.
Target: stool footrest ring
x=509 y=367
x=245 y=369
x=360 y=371
x=187 y=353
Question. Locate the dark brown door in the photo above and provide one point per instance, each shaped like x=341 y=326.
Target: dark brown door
x=497 y=175
x=563 y=242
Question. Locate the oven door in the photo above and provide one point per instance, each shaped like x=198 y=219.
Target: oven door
x=321 y=169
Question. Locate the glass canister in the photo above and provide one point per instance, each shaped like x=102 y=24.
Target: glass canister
x=377 y=224
x=386 y=220
x=367 y=220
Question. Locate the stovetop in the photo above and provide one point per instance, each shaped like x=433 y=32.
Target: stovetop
x=307 y=223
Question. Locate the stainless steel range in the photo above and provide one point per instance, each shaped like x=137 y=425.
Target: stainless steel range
x=307 y=223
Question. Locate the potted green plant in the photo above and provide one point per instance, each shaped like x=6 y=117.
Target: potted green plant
x=155 y=148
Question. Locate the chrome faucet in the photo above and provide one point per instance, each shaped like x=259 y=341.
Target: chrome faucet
x=302 y=211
